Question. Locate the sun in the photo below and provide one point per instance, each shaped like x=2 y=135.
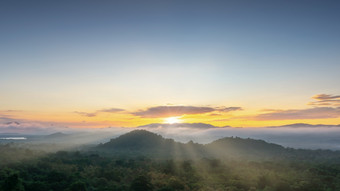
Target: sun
x=172 y=120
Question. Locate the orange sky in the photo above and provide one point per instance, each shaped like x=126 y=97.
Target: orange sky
x=319 y=110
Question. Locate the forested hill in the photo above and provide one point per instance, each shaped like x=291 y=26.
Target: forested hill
x=141 y=160
x=238 y=147
x=150 y=144
x=138 y=139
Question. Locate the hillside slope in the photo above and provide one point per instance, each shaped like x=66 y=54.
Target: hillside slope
x=142 y=142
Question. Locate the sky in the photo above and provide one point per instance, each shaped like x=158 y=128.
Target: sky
x=91 y=64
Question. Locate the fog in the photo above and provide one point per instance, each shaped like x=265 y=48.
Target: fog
x=310 y=137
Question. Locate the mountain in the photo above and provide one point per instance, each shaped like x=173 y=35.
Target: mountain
x=306 y=125
x=138 y=139
x=12 y=123
x=142 y=142
x=56 y=135
x=148 y=143
x=238 y=147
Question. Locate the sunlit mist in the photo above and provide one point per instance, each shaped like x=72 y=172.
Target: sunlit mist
x=172 y=120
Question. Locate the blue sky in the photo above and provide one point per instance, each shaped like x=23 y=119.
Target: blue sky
x=88 y=55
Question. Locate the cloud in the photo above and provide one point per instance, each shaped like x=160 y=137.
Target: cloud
x=328 y=108
x=13 y=125
x=17 y=125
x=4 y=117
x=13 y=110
x=215 y=114
x=179 y=125
x=168 y=111
x=313 y=113
x=111 y=110
x=326 y=99
x=163 y=111
x=93 y=114
x=228 y=109
x=305 y=125
x=86 y=114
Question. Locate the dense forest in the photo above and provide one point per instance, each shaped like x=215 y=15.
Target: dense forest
x=144 y=161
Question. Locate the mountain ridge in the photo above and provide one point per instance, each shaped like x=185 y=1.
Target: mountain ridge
x=143 y=142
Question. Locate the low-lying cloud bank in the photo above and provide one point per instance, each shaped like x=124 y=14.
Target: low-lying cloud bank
x=293 y=135
x=298 y=135
x=31 y=127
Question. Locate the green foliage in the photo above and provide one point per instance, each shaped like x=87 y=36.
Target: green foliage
x=263 y=182
x=87 y=172
x=78 y=186
x=127 y=170
x=140 y=183
x=11 y=181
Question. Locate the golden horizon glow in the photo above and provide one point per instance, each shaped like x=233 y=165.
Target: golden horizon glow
x=172 y=120
x=242 y=118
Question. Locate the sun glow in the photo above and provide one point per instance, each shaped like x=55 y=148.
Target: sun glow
x=172 y=120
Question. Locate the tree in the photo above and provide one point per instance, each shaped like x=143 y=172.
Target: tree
x=141 y=183
x=78 y=185
x=262 y=182
x=13 y=182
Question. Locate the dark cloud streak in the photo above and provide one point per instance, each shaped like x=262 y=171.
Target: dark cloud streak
x=326 y=99
x=228 y=109
x=93 y=114
x=169 y=111
x=111 y=110
x=313 y=113
x=85 y=114
x=179 y=125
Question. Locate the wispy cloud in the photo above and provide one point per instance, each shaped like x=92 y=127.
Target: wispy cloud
x=179 y=125
x=18 y=125
x=312 y=113
x=86 y=114
x=15 y=125
x=326 y=100
x=228 y=109
x=4 y=117
x=168 y=111
x=13 y=110
x=93 y=114
x=111 y=110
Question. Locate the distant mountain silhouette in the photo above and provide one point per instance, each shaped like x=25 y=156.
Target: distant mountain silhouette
x=297 y=125
x=239 y=147
x=12 y=123
x=55 y=135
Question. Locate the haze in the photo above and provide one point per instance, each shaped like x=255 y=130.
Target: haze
x=113 y=66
